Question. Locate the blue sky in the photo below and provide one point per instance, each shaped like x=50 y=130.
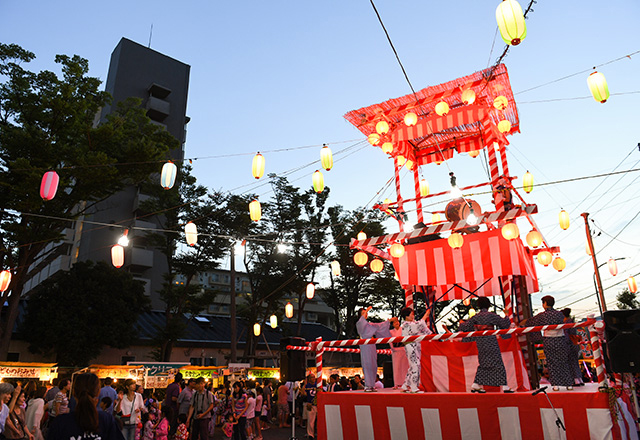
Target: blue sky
x=280 y=75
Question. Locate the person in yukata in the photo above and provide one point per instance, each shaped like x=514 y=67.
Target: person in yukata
x=411 y=327
x=573 y=341
x=556 y=349
x=491 y=371
x=399 y=357
x=368 y=355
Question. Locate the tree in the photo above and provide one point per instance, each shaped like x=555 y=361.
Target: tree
x=47 y=123
x=627 y=300
x=73 y=314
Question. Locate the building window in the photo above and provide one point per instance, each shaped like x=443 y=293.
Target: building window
x=196 y=362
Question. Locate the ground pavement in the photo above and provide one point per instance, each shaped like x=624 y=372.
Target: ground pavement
x=273 y=433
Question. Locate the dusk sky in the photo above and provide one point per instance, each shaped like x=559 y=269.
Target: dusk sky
x=280 y=76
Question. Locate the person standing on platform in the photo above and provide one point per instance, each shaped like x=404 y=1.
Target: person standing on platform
x=491 y=371
x=556 y=348
x=368 y=354
x=411 y=327
x=573 y=341
x=398 y=356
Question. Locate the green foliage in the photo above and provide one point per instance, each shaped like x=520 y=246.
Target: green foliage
x=627 y=300
x=73 y=314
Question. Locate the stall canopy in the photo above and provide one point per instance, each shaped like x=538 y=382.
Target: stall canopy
x=475 y=267
x=28 y=370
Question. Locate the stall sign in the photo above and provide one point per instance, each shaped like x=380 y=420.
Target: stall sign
x=159 y=368
x=207 y=374
x=22 y=372
x=116 y=373
x=265 y=374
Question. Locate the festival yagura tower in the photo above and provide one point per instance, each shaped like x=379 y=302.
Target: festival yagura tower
x=483 y=256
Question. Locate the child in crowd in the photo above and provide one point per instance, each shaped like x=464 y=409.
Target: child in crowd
x=182 y=432
x=162 y=427
x=148 y=420
x=227 y=428
x=105 y=403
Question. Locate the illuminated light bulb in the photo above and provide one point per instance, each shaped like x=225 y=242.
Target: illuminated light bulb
x=474 y=153
x=376 y=265
x=527 y=182
x=124 y=240
x=504 y=126
x=410 y=119
x=545 y=258
x=510 y=18
x=455 y=192
x=534 y=238
x=468 y=96
x=311 y=290
x=613 y=267
x=288 y=310
x=282 y=248
x=387 y=147
x=326 y=158
x=256 y=329
x=424 y=188
x=257 y=166
x=455 y=240
x=500 y=102
x=496 y=146
x=318 y=181
x=435 y=217
x=510 y=231
x=191 y=233
x=598 y=87
x=564 y=220
x=374 y=139
x=273 y=321
x=442 y=108
x=382 y=127
x=361 y=236
x=631 y=282
x=360 y=258
x=472 y=313
x=396 y=250
x=335 y=268
x=559 y=264
x=472 y=219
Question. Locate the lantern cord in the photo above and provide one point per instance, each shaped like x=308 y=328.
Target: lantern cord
x=394 y=49
x=495 y=36
x=592 y=294
x=576 y=98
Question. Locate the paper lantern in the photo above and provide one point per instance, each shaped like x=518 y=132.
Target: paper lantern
x=466 y=301
x=256 y=329
x=455 y=240
x=401 y=160
x=335 y=268
x=168 y=175
x=361 y=236
x=588 y=249
x=545 y=258
x=435 y=217
x=387 y=147
x=191 y=231
x=49 y=185
x=474 y=153
x=472 y=313
x=633 y=287
x=564 y=219
x=424 y=188
x=534 y=238
x=318 y=182
x=613 y=267
x=117 y=255
x=326 y=158
x=255 y=211
x=382 y=127
x=527 y=182
x=510 y=231
x=257 y=167
x=598 y=87
x=5 y=280
x=396 y=250
x=410 y=119
x=360 y=258
x=468 y=96
x=559 y=264
x=288 y=310
x=500 y=102
x=442 y=108
x=376 y=265
x=504 y=126
x=374 y=139
x=311 y=290
x=510 y=18
x=273 y=321
x=409 y=164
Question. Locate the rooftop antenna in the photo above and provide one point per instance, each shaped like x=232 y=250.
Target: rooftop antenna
x=150 y=35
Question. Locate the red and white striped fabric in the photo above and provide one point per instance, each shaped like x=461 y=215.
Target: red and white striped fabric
x=451 y=365
x=492 y=416
x=484 y=256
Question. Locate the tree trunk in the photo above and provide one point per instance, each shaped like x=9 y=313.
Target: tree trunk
x=17 y=284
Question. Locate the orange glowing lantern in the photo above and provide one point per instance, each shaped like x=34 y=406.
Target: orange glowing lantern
x=387 y=147
x=256 y=329
x=335 y=268
x=401 y=160
x=510 y=231
x=311 y=290
x=191 y=231
x=382 y=127
x=288 y=310
x=318 y=182
x=466 y=301
x=510 y=18
x=255 y=211
x=598 y=87
x=361 y=236
x=360 y=258
x=396 y=250
x=504 y=126
x=257 y=167
x=326 y=158
x=374 y=139
x=534 y=238
x=527 y=182
x=500 y=102
x=633 y=287
x=273 y=321
x=564 y=219
x=5 y=280
x=613 y=267
x=442 y=108
x=117 y=255
x=559 y=264
x=49 y=185
x=409 y=164
x=410 y=119
x=455 y=240
x=588 y=249
x=468 y=96
x=474 y=153
x=545 y=258
x=376 y=265
x=424 y=188
x=168 y=175
x=435 y=217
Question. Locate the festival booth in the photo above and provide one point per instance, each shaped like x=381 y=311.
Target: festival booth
x=158 y=374
x=482 y=256
x=215 y=375
x=116 y=372
x=19 y=371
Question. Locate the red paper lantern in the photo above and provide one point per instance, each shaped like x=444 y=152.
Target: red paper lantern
x=613 y=267
x=117 y=255
x=5 y=280
x=633 y=287
x=49 y=185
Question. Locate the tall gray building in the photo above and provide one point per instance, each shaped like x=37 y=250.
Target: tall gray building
x=162 y=84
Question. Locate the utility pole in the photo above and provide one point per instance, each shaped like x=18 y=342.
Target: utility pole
x=600 y=292
x=232 y=305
